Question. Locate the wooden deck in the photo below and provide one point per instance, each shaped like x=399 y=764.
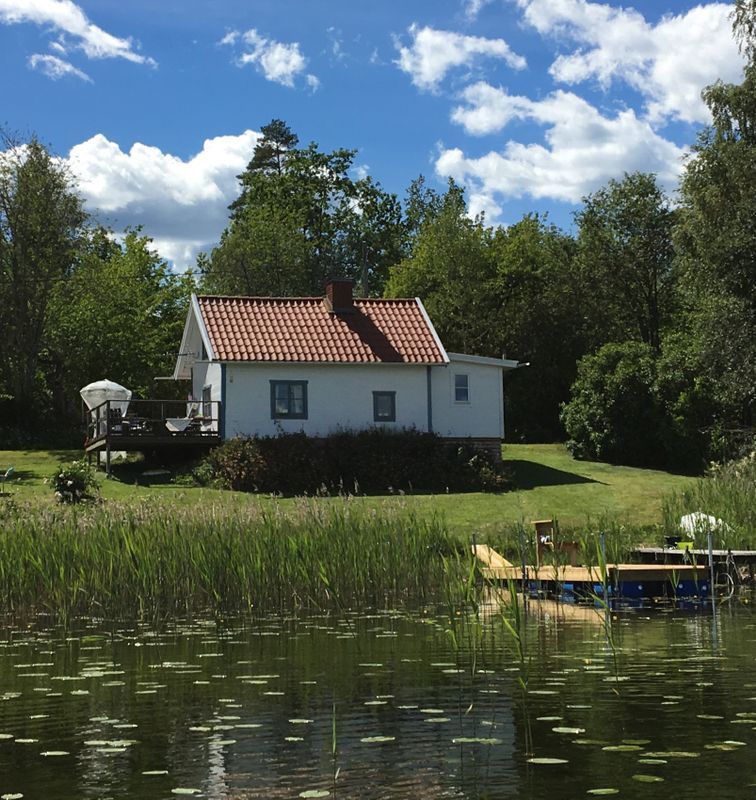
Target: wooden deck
x=152 y=425
x=497 y=568
x=657 y=553
x=130 y=444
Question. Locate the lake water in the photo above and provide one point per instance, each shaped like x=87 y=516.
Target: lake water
x=383 y=705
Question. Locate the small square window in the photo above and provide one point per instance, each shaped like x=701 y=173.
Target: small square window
x=288 y=399
x=461 y=389
x=384 y=406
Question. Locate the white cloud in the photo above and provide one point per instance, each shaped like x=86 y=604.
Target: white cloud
x=280 y=62
x=433 y=53
x=56 y=68
x=337 y=43
x=583 y=149
x=68 y=19
x=182 y=204
x=474 y=7
x=669 y=62
x=230 y=38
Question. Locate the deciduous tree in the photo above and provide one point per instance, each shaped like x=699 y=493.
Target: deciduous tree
x=626 y=252
x=41 y=224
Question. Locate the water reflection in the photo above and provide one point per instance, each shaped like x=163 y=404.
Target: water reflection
x=378 y=705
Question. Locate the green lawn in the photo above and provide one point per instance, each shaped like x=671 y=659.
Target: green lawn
x=550 y=484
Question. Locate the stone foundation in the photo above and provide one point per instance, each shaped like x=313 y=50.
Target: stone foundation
x=489 y=445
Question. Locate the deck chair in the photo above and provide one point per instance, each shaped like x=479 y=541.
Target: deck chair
x=5 y=476
x=115 y=418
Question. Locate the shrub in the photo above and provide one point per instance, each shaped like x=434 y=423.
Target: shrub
x=238 y=464
x=614 y=414
x=630 y=405
x=74 y=482
x=372 y=461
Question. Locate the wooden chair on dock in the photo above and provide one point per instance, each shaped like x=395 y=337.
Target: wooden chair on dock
x=547 y=542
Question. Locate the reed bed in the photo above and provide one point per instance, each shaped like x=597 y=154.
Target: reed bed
x=728 y=492
x=159 y=560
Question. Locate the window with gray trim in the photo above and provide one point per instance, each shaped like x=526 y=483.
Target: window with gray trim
x=288 y=399
x=461 y=388
x=384 y=406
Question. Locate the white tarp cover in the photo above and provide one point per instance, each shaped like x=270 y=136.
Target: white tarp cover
x=700 y=523
x=95 y=394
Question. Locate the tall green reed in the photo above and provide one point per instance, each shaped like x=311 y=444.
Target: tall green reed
x=163 y=559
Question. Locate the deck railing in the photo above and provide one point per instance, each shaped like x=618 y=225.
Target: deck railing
x=153 y=419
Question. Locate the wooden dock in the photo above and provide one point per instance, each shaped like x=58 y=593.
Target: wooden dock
x=497 y=568
x=679 y=553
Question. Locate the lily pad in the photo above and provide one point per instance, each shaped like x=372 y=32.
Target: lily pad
x=622 y=748
x=475 y=740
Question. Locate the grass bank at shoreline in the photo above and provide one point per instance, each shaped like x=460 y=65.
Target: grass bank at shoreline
x=163 y=550
x=151 y=548
x=549 y=483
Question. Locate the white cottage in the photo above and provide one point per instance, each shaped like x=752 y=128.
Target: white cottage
x=319 y=364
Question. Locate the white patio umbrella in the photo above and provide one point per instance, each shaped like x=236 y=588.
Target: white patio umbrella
x=95 y=394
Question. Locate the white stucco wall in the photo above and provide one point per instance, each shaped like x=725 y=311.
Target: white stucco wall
x=338 y=396
x=483 y=415
x=341 y=396
x=205 y=373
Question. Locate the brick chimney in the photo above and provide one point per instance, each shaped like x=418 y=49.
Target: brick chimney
x=339 y=299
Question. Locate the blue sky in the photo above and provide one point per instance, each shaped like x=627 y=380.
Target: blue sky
x=530 y=104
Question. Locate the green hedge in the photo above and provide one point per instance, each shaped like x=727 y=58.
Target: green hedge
x=352 y=462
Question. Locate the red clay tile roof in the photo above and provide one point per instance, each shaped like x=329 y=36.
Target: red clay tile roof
x=303 y=329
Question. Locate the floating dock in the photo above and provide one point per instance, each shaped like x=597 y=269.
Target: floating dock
x=633 y=581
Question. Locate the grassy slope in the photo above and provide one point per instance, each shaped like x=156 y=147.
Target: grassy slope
x=550 y=484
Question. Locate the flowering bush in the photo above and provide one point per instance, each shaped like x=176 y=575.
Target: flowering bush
x=74 y=482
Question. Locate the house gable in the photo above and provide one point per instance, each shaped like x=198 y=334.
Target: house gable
x=195 y=343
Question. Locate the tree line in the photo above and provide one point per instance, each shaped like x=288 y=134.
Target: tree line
x=640 y=327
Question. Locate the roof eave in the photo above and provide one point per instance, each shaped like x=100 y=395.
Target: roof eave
x=502 y=363
x=203 y=328
x=432 y=329
x=260 y=361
